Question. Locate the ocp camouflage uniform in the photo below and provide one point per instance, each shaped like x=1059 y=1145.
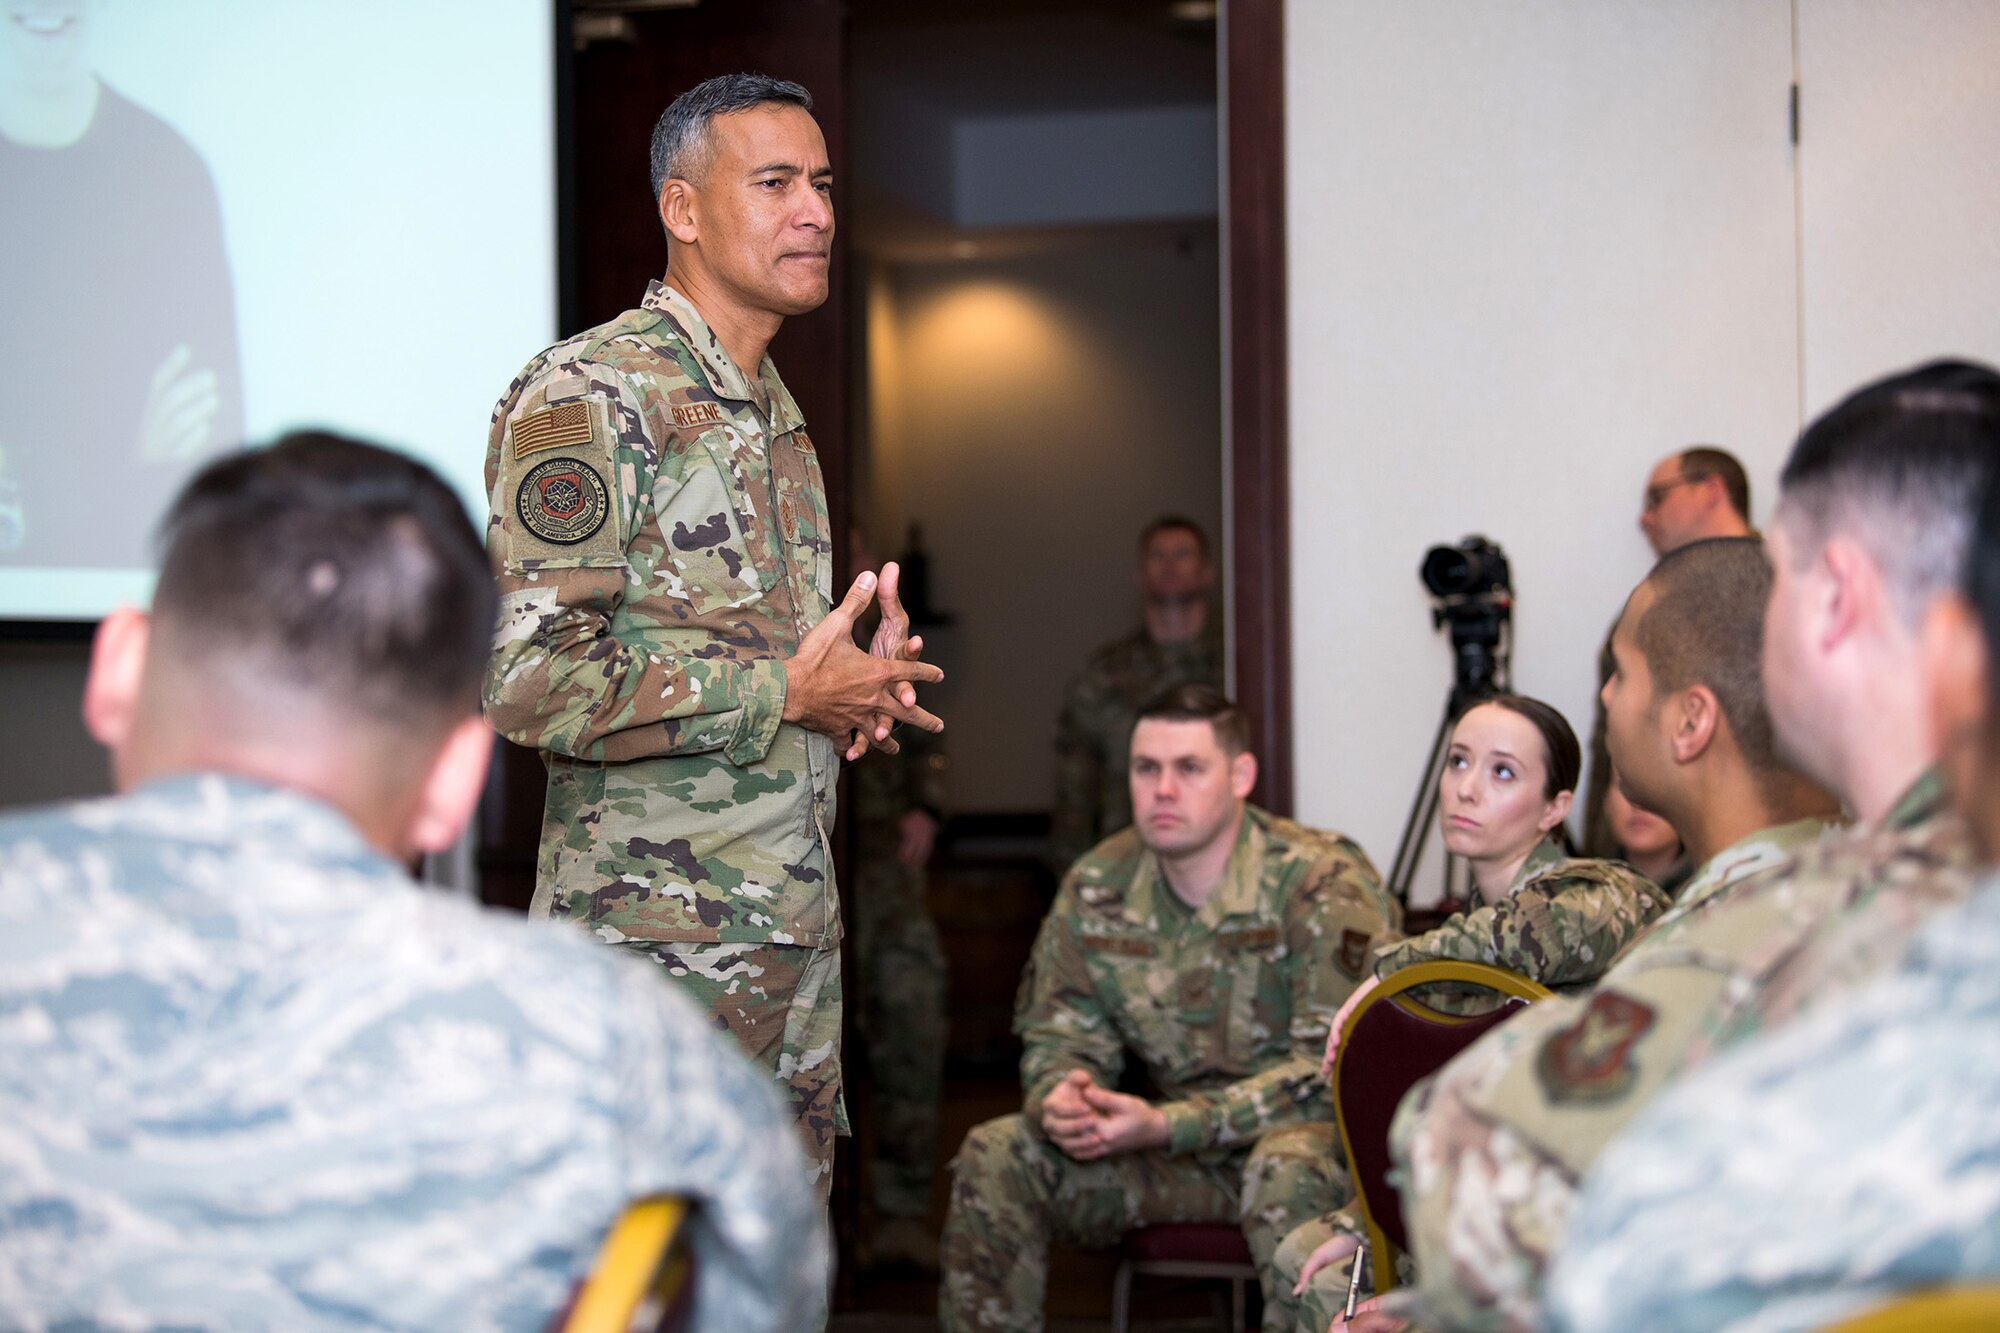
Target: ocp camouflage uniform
x=1226 y=1007
x=253 y=1077
x=1495 y=1146
x=659 y=530
x=1561 y=923
x=1094 y=730
x=902 y=1017
x=1815 y=1171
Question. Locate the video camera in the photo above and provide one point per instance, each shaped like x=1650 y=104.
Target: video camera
x=1475 y=594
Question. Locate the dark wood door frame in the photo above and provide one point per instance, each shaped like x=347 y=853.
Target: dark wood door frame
x=1253 y=117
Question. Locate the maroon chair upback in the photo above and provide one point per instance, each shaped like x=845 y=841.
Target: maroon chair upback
x=1393 y=1042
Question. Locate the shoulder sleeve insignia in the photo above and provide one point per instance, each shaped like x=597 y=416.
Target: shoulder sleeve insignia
x=1590 y=1060
x=562 y=500
x=566 y=424
x=1352 y=955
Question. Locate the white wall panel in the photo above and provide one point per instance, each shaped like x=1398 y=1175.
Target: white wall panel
x=1533 y=247
x=1899 y=187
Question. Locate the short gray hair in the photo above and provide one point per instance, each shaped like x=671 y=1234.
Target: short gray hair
x=680 y=139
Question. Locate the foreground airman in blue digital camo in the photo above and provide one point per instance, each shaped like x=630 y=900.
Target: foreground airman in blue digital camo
x=251 y=1076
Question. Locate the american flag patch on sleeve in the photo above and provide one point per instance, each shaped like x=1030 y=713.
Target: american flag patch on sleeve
x=551 y=428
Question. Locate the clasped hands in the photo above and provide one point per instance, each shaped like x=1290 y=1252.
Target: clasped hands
x=1089 y=1122
x=857 y=697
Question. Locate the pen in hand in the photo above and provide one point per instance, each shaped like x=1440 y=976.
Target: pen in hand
x=1354 y=1278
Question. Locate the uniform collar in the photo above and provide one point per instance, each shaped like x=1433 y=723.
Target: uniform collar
x=724 y=376
x=1545 y=854
x=1242 y=877
x=228 y=810
x=1924 y=799
x=1205 y=644
x=1746 y=856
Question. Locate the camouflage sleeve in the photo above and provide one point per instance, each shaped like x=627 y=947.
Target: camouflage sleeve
x=1058 y=1014
x=563 y=677
x=1079 y=776
x=1330 y=920
x=1560 y=928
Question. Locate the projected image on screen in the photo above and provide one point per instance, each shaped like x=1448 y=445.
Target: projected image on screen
x=119 y=332
x=221 y=220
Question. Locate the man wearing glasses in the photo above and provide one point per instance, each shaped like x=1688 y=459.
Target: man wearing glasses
x=1692 y=495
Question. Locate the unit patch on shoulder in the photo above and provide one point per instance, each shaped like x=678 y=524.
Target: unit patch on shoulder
x=1589 y=1061
x=1353 y=952
x=552 y=428
x=562 y=501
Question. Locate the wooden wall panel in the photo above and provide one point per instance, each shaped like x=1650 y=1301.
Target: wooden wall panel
x=1253 y=92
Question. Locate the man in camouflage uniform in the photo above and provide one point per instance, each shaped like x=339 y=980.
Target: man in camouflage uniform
x=1695 y=495
x=1871 y=532
x=1180 y=641
x=251 y=1076
x=660 y=533
x=898 y=800
x=1849 y=1157
x=1688 y=727
x=1213 y=942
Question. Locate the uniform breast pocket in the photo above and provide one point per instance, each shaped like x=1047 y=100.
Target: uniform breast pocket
x=707 y=560
x=1258 y=998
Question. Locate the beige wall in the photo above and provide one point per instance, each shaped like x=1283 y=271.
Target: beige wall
x=1033 y=413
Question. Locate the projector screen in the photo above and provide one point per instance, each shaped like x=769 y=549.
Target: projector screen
x=224 y=219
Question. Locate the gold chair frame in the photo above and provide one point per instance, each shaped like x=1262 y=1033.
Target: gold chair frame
x=1382 y=1254
x=640 y=1270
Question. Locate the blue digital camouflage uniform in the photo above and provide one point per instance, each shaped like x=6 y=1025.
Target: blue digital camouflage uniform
x=1812 y=1172
x=1226 y=1006
x=1561 y=923
x=659 y=530
x=1496 y=1144
x=251 y=1077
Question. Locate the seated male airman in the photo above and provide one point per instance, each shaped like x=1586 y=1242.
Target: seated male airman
x=1211 y=942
